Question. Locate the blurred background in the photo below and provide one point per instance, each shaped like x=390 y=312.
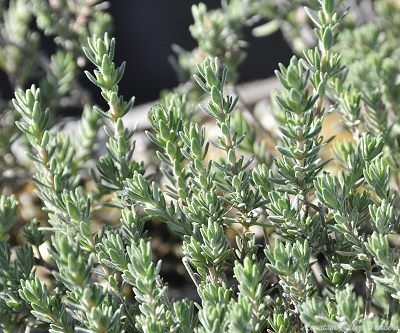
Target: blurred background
x=145 y=31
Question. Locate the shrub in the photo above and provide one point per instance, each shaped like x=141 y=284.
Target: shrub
x=276 y=240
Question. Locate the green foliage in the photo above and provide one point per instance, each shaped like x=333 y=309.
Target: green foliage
x=302 y=242
x=8 y=210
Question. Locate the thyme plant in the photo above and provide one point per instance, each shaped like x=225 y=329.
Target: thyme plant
x=300 y=242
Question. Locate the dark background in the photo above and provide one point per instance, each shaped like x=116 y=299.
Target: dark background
x=145 y=31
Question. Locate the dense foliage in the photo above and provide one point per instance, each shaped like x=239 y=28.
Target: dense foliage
x=275 y=238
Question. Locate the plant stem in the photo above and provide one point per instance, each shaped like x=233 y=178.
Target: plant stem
x=213 y=274
x=185 y=262
x=369 y=286
x=390 y=311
